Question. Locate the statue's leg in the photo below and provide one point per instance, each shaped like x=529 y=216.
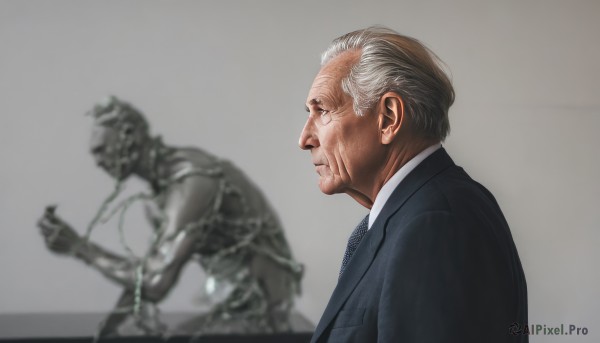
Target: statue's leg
x=122 y=311
x=244 y=311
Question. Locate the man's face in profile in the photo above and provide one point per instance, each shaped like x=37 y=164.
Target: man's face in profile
x=343 y=145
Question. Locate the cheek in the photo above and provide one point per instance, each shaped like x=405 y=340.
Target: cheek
x=358 y=158
x=347 y=159
x=345 y=149
x=332 y=150
x=340 y=160
x=343 y=155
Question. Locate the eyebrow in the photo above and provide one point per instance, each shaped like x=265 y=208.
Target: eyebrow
x=313 y=102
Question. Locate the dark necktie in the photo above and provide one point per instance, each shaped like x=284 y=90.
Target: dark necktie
x=355 y=238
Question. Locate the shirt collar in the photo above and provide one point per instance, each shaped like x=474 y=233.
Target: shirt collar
x=387 y=189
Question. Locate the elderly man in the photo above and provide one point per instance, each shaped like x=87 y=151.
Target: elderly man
x=434 y=260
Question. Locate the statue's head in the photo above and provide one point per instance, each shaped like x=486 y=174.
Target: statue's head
x=118 y=135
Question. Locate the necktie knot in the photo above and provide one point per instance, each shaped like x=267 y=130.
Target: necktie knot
x=354 y=240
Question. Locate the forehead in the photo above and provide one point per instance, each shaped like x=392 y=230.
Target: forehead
x=101 y=135
x=327 y=84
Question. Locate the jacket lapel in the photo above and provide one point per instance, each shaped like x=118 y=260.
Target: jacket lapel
x=355 y=270
x=368 y=247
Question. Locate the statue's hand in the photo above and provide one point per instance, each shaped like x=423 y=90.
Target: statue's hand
x=58 y=235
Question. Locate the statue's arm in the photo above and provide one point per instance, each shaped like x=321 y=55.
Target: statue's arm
x=62 y=239
x=158 y=269
x=186 y=203
x=115 y=267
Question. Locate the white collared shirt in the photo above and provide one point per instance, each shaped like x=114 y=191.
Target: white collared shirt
x=388 y=188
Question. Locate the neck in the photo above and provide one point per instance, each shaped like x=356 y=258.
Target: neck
x=397 y=155
x=152 y=157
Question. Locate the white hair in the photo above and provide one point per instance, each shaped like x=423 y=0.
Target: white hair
x=390 y=62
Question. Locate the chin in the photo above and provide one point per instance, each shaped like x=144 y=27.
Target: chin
x=327 y=191
x=328 y=187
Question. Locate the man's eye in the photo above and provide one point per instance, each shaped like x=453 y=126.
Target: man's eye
x=325 y=117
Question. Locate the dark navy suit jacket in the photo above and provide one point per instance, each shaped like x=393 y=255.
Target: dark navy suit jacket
x=438 y=265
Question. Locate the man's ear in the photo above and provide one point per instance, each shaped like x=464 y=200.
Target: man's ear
x=391 y=116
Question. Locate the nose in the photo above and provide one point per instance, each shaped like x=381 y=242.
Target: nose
x=308 y=138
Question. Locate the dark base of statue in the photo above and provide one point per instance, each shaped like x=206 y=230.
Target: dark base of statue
x=75 y=328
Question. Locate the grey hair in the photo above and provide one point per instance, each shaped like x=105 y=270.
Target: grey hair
x=390 y=62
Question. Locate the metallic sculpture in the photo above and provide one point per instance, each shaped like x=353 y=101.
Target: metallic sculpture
x=199 y=207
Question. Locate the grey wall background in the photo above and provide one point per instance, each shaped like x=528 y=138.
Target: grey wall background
x=232 y=77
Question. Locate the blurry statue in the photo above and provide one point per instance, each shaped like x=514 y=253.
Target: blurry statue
x=200 y=207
